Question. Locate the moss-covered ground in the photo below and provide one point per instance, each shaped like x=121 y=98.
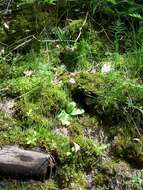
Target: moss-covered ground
x=95 y=148
x=71 y=75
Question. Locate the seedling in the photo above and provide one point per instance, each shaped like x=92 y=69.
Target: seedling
x=66 y=115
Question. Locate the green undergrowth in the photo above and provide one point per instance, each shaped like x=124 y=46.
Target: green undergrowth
x=38 y=100
x=64 y=148
x=92 y=102
x=114 y=172
x=72 y=163
x=77 y=101
x=71 y=77
x=112 y=96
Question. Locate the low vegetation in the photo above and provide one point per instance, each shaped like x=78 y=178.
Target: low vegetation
x=71 y=85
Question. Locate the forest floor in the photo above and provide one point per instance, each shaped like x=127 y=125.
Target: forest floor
x=78 y=116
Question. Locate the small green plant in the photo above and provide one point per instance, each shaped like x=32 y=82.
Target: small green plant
x=66 y=115
x=137 y=180
x=32 y=138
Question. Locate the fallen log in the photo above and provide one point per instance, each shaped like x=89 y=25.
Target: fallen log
x=17 y=163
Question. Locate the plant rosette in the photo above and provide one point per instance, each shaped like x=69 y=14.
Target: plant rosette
x=65 y=116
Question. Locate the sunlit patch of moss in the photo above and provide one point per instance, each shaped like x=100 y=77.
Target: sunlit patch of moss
x=37 y=64
x=70 y=178
x=113 y=167
x=89 y=153
x=38 y=98
x=90 y=82
x=109 y=96
x=13 y=136
x=74 y=26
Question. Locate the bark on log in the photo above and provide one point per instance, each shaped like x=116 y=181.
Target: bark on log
x=17 y=163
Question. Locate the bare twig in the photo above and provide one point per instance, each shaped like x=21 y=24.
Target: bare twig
x=80 y=30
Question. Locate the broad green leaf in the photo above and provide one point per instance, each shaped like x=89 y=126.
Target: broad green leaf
x=77 y=112
x=135 y=15
x=64 y=118
x=70 y=107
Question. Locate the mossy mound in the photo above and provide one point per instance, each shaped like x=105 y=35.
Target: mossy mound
x=131 y=149
x=41 y=89
x=116 y=174
x=7 y=122
x=71 y=80
x=109 y=96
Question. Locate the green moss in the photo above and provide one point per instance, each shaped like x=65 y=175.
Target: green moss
x=4 y=71
x=88 y=120
x=48 y=185
x=89 y=152
x=39 y=64
x=38 y=99
x=109 y=165
x=74 y=26
x=130 y=149
x=81 y=56
x=76 y=129
x=99 y=180
x=2 y=33
x=7 y=122
x=16 y=187
x=109 y=96
x=113 y=167
x=13 y=136
x=55 y=143
x=113 y=172
x=90 y=82
x=28 y=20
x=71 y=178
